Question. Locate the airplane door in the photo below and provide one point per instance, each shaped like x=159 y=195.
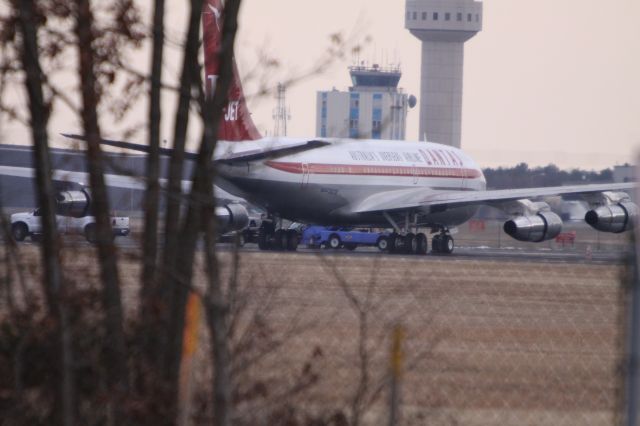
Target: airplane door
x=305 y=174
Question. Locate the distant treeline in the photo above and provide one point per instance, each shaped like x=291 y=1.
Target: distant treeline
x=521 y=176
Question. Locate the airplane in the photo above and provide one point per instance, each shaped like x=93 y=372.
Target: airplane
x=407 y=186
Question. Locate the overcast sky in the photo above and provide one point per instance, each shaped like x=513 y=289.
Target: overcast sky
x=545 y=81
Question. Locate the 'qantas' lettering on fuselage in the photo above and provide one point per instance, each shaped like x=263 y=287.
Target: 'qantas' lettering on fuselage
x=432 y=157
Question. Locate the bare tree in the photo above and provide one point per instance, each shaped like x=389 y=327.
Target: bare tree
x=149 y=295
x=114 y=347
x=54 y=285
x=174 y=287
x=200 y=217
x=153 y=160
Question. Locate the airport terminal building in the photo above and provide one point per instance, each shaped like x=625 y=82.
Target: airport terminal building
x=373 y=108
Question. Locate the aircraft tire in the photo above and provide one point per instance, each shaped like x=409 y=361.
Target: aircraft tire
x=447 y=245
x=334 y=241
x=422 y=243
x=435 y=243
x=410 y=243
x=400 y=245
x=265 y=234
x=19 y=231
x=392 y=242
x=382 y=244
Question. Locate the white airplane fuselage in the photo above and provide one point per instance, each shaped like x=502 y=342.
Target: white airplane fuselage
x=320 y=185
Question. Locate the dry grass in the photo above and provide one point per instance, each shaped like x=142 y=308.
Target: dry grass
x=487 y=342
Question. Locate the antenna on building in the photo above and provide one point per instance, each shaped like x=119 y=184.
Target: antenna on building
x=281 y=113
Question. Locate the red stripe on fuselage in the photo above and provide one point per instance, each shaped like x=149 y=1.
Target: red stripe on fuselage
x=374 y=170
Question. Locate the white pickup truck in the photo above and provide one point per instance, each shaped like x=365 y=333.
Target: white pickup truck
x=30 y=224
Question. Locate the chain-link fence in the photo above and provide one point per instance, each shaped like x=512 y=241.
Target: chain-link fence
x=483 y=342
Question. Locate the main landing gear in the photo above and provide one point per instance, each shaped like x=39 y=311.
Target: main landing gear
x=442 y=243
x=270 y=238
x=403 y=241
x=409 y=243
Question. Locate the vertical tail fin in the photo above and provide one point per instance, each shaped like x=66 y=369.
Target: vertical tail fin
x=236 y=124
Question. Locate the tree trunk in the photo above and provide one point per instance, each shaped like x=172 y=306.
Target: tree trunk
x=150 y=321
x=114 y=349
x=188 y=80
x=150 y=246
x=201 y=217
x=170 y=289
x=53 y=282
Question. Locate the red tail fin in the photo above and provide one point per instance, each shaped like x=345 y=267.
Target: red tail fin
x=236 y=124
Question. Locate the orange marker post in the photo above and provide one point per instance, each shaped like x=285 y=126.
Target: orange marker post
x=190 y=340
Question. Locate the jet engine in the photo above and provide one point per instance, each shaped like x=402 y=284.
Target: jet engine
x=232 y=217
x=541 y=226
x=73 y=203
x=614 y=218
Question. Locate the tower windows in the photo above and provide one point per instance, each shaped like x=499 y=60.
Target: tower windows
x=468 y=17
x=447 y=16
x=424 y=16
x=459 y=16
x=415 y=15
x=435 y=16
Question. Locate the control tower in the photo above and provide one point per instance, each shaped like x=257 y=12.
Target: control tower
x=443 y=26
x=373 y=108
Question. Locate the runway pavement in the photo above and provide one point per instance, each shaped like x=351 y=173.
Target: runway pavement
x=535 y=253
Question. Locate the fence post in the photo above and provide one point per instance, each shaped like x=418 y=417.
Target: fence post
x=633 y=380
x=190 y=343
x=396 y=364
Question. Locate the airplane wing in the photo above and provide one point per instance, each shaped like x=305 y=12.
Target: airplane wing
x=418 y=198
x=111 y=180
x=271 y=152
x=129 y=145
x=235 y=157
x=116 y=181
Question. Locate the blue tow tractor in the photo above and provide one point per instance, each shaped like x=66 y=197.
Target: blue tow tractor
x=336 y=238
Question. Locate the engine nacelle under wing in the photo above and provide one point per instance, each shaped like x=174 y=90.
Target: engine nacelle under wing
x=73 y=203
x=542 y=226
x=232 y=217
x=614 y=218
